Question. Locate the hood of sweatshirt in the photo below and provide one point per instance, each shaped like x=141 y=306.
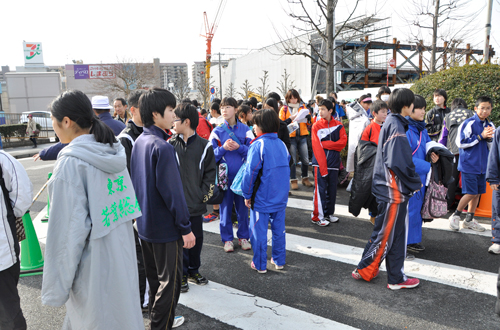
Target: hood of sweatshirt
x=109 y=159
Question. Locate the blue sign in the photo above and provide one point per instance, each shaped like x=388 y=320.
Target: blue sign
x=212 y=90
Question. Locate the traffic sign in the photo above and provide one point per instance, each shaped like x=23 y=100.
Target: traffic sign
x=212 y=90
x=392 y=63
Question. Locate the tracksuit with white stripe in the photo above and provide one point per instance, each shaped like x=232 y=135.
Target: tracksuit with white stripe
x=473 y=149
x=328 y=139
x=268 y=157
x=234 y=159
x=394 y=181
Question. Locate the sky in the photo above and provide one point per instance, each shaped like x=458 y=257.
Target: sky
x=103 y=31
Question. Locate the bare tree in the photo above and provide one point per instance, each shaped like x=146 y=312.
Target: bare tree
x=246 y=88
x=309 y=28
x=285 y=84
x=264 y=89
x=123 y=77
x=203 y=91
x=181 y=88
x=230 y=90
x=447 y=20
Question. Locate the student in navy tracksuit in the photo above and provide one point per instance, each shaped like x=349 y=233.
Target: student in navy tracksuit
x=473 y=137
x=328 y=139
x=265 y=189
x=164 y=227
x=394 y=182
x=493 y=177
x=230 y=141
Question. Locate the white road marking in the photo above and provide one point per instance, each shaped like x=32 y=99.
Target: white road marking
x=41 y=227
x=251 y=312
x=456 y=276
x=343 y=210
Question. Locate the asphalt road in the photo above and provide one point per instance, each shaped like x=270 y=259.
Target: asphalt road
x=315 y=286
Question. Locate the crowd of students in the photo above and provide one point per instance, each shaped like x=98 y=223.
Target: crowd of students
x=117 y=183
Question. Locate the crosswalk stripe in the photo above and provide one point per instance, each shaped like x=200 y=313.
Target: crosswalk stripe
x=343 y=210
x=252 y=312
x=456 y=276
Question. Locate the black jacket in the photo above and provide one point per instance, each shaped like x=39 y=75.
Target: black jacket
x=442 y=170
x=361 y=193
x=435 y=120
x=283 y=134
x=133 y=131
x=198 y=170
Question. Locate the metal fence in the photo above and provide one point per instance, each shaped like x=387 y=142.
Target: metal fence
x=43 y=119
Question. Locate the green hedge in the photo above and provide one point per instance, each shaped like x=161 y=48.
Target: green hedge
x=467 y=82
x=17 y=130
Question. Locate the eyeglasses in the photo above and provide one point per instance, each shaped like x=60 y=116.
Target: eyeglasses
x=175 y=120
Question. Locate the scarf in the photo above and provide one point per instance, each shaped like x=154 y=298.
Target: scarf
x=420 y=125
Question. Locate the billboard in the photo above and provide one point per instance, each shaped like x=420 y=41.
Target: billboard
x=32 y=53
x=81 y=71
x=91 y=71
x=101 y=72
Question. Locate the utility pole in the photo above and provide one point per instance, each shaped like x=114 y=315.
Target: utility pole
x=434 y=36
x=488 y=30
x=334 y=63
x=220 y=78
x=330 y=77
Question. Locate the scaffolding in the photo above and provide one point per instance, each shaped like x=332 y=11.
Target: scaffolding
x=363 y=50
x=359 y=70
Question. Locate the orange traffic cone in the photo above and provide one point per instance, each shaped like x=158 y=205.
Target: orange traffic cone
x=484 y=207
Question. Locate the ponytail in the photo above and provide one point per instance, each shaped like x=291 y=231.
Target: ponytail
x=76 y=106
x=102 y=133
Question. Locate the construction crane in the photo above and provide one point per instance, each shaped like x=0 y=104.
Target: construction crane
x=209 y=35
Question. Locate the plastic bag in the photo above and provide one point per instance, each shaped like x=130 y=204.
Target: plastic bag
x=238 y=179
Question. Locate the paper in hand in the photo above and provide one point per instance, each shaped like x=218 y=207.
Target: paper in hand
x=301 y=117
x=293 y=127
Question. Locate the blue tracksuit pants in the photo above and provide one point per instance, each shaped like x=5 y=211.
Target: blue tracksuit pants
x=226 y=209
x=258 y=226
x=495 y=217
x=325 y=194
x=388 y=241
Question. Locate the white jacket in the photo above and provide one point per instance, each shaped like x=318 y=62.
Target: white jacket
x=20 y=191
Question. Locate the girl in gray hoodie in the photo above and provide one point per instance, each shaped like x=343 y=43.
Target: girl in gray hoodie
x=90 y=259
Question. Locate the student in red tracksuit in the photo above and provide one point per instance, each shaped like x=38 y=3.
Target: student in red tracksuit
x=328 y=139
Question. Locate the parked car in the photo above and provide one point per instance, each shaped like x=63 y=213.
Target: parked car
x=40 y=117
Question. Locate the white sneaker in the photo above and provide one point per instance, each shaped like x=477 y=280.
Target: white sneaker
x=455 y=222
x=333 y=218
x=228 y=246
x=494 y=248
x=245 y=244
x=178 y=321
x=473 y=225
x=321 y=223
